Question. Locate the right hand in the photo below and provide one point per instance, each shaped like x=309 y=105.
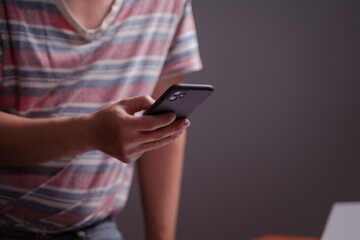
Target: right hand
x=117 y=132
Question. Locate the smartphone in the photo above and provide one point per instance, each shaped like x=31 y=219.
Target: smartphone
x=181 y=99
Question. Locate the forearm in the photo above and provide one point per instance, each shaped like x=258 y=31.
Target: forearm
x=30 y=141
x=160 y=174
x=113 y=130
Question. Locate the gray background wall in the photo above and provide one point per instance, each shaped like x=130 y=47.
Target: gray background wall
x=279 y=141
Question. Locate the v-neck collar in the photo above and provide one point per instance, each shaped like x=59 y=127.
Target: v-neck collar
x=80 y=28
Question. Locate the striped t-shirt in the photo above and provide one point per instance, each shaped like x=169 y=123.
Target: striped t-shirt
x=51 y=66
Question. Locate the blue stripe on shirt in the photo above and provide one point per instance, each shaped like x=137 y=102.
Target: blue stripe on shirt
x=186 y=54
x=19 y=29
x=54 y=75
x=25 y=45
x=33 y=5
x=31 y=91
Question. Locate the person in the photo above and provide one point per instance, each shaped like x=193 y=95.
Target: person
x=73 y=77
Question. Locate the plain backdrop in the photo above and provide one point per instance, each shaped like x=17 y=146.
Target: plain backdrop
x=279 y=141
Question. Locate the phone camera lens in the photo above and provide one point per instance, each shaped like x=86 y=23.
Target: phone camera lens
x=182 y=95
x=177 y=93
x=172 y=98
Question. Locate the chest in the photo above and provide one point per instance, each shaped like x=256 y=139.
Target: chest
x=47 y=60
x=47 y=39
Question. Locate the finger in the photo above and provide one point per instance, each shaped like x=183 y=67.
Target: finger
x=160 y=143
x=136 y=104
x=165 y=132
x=153 y=122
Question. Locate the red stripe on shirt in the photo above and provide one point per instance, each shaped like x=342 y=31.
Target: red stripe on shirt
x=26 y=181
x=24 y=213
x=35 y=16
x=83 y=181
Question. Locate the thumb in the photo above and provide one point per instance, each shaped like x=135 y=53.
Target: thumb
x=136 y=104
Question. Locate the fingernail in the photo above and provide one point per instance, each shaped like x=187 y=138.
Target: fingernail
x=173 y=116
x=186 y=123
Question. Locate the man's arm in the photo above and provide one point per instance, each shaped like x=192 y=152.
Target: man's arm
x=160 y=173
x=114 y=130
x=26 y=141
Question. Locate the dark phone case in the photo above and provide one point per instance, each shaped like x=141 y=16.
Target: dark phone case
x=194 y=95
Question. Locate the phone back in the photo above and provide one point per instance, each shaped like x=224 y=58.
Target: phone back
x=181 y=99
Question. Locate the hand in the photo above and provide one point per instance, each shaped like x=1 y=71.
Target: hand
x=117 y=132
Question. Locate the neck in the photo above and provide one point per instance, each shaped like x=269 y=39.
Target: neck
x=90 y=13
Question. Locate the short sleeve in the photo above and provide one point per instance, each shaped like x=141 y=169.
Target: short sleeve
x=183 y=56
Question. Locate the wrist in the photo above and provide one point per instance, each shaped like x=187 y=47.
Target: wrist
x=58 y=137
x=74 y=133
x=85 y=136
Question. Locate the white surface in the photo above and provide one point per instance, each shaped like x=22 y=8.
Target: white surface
x=343 y=222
